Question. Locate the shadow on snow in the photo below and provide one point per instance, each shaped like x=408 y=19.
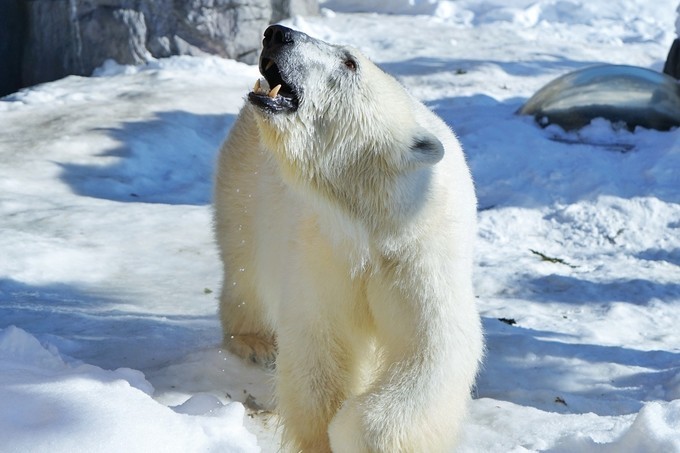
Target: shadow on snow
x=550 y=63
x=561 y=288
x=515 y=162
x=550 y=372
x=95 y=327
x=168 y=159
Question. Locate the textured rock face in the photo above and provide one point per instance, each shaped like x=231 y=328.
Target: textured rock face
x=229 y=28
x=11 y=40
x=283 y=9
x=672 y=66
x=64 y=37
x=76 y=36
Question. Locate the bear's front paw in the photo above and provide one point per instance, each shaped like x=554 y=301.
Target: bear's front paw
x=257 y=349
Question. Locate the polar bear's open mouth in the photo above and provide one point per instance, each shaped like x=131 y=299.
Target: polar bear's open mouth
x=273 y=94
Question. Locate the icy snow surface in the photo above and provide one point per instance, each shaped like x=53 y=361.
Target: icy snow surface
x=109 y=339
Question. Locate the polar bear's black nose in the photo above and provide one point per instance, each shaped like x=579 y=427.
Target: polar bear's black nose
x=278 y=35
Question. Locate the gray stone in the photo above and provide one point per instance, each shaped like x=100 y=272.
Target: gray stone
x=625 y=95
x=228 y=28
x=76 y=36
x=11 y=45
x=65 y=37
x=283 y=9
x=50 y=49
x=672 y=65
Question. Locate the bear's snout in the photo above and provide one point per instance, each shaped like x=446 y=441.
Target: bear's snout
x=281 y=93
x=277 y=36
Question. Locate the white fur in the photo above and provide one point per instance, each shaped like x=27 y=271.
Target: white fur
x=352 y=250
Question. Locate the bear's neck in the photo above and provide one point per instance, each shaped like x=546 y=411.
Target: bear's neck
x=366 y=191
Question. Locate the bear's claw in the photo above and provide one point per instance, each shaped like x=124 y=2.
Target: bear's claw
x=260 y=350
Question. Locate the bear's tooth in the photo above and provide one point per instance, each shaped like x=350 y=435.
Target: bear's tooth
x=256 y=88
x=269 y=65
x=275 y=91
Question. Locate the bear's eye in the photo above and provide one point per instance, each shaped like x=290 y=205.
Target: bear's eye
x=351 y=64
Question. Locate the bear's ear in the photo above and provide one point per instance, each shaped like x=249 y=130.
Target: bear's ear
x=426 y=149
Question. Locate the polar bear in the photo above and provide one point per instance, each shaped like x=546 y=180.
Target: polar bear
x=345 y=215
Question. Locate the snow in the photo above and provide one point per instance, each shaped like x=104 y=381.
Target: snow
x=49 y=403
x=109 y=338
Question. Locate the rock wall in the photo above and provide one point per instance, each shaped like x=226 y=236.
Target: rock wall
x=48 y=39
x=283 y=9
x=11 y=39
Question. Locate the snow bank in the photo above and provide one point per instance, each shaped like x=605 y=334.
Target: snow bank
x=656 y=428
x=52 y=403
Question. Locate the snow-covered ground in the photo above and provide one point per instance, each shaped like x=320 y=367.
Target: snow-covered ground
x=109 y=339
